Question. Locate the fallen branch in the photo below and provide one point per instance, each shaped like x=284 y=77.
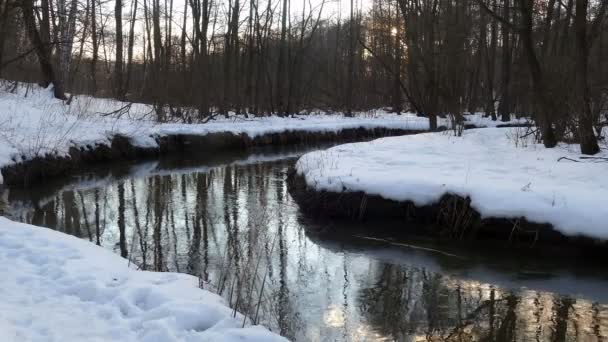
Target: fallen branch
x=530 y=132
x=210 y=117
x=595 y=158
x=120 y=111
x=566 y=158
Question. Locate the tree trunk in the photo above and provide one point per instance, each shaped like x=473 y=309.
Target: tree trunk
x=588 y=141
x=504 y=108
x=490 y=60
x=351 y=62
x=540 y=91
x=4 y=19
x=64 y=37
x=204 y=64
x=42 y=49
x=157 y=64
x=118 y=82
x=95 y=53
x=396 y=98
x=282 y=63
x=167 y=66
x=130 y=44
x=231 y=49
x=186 y=79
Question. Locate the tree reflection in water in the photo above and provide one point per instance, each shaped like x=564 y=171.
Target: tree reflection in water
x=237 y=229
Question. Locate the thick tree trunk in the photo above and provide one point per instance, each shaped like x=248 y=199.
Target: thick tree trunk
x=504 y=108
x=539 y=87
x=588 y=141
x=4 y=19
x=42 y=49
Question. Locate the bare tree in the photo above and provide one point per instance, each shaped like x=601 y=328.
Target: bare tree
x=95 y=43
x=130 y=44
x=282 y=63
x=67 y=28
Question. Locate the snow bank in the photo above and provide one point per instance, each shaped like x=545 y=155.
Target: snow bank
x=501 y=179
x=56 y=287
x=33 y=123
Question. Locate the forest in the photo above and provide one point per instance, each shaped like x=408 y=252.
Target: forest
x=197 y=59
x=307 y=170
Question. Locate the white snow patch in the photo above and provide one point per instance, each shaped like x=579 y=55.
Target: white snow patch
x=479 y=120
x=56 y=287
x=501 y=179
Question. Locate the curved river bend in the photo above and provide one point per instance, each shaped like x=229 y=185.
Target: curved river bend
x=231 y=222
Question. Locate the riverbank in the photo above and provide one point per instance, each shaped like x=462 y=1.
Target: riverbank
x=57 y=287
x=43 y=137
x=489 y=182
x=308 y=280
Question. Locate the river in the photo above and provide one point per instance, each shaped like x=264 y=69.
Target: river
x=229 y=220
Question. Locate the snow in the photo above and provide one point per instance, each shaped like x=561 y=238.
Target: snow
x=33 y=123
x=504 y=177
x=479 y=120
x=56 y=287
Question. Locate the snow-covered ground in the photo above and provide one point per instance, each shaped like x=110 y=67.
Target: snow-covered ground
x=33 y=123
x=56 y=287
x=504 y=176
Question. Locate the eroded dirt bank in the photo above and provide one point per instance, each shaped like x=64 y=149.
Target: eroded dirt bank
x=452 y=218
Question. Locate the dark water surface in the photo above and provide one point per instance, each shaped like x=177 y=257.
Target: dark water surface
x=231 y=221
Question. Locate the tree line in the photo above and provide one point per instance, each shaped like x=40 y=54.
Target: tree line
x=194 y=59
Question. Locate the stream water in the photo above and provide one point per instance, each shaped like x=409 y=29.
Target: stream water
x=230 y=221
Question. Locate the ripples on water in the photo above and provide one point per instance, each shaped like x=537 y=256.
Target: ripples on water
x=232 y=223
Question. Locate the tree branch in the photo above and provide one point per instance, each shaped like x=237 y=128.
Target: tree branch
x=497 y=17
x=392 y=72
x=21 y=56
